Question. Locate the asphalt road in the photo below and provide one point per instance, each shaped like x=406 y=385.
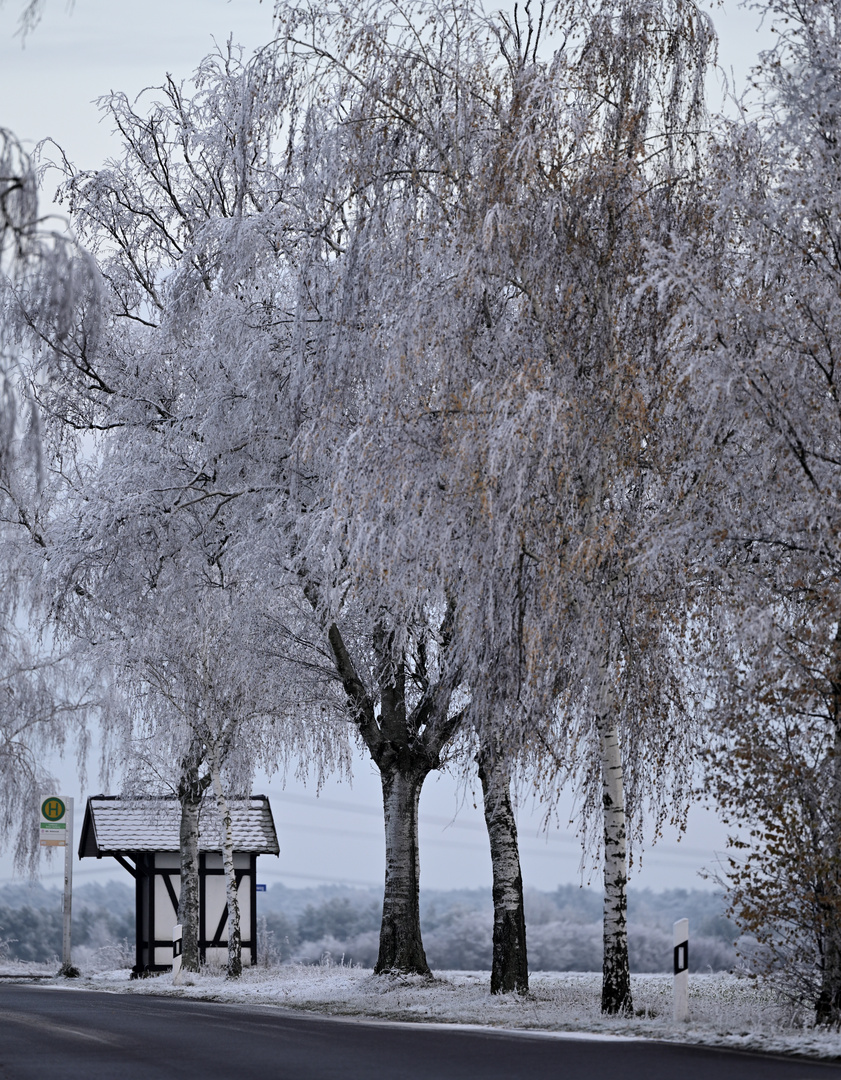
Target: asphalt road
x=79 y=1035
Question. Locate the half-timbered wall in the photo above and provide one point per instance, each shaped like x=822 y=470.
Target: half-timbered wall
x=214 y=907
x=158 y=887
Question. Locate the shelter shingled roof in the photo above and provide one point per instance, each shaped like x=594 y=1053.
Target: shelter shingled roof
x=114 y=825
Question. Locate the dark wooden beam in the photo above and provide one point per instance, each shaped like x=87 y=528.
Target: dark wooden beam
x=126 y=865
x=217 y=937
x=171 y=890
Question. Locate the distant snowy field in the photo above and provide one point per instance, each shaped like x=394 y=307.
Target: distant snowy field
x=724 y=1010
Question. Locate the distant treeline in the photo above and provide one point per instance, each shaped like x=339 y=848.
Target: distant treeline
x=31 y=923
x=332 y=922
x=564 y=928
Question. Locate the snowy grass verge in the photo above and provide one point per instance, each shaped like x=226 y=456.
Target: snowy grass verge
x=724 y=1009
x=10 y=969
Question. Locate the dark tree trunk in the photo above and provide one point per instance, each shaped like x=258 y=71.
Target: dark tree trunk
x=510 y=969
x=828 y=1005
x=405 y=744
x=401 y=947
x=190 y=791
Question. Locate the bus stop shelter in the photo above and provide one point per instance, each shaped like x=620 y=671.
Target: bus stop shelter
x=142 y=834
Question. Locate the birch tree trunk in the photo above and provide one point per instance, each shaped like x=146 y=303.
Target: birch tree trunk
x=509 y=969
x=828 y=1005
x=234 y=932
x=401 y=945
x=616 y=974
x=190 y=790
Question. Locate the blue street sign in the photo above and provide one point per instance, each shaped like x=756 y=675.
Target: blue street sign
x=260 y=888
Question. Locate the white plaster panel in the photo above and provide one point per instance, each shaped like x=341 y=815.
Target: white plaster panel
x=165 y=915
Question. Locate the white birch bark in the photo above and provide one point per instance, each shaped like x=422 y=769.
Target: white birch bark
x=616 y=976
x=234 y=933
x=509 y=969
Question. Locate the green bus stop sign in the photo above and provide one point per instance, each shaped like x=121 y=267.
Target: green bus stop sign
x=53 y=808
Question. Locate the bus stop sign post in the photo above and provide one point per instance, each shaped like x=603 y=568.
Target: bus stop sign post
x=56 y=830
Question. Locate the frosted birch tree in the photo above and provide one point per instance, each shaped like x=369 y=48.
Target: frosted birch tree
x=163 y=391
x=207 y=714
x=761 y=302
x=188 y=387
x=369 y=210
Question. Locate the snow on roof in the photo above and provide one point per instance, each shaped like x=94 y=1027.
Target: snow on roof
x=114 y=825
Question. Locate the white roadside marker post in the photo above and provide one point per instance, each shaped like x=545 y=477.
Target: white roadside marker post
x=177 y=950
x=681 y=989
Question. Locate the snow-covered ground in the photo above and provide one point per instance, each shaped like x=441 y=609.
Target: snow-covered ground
x=13 y=968
x=724 y=1010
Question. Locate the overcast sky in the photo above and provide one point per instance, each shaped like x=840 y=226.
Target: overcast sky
x=48 y=89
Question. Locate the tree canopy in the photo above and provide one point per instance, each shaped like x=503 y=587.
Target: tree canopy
x=452 y=382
